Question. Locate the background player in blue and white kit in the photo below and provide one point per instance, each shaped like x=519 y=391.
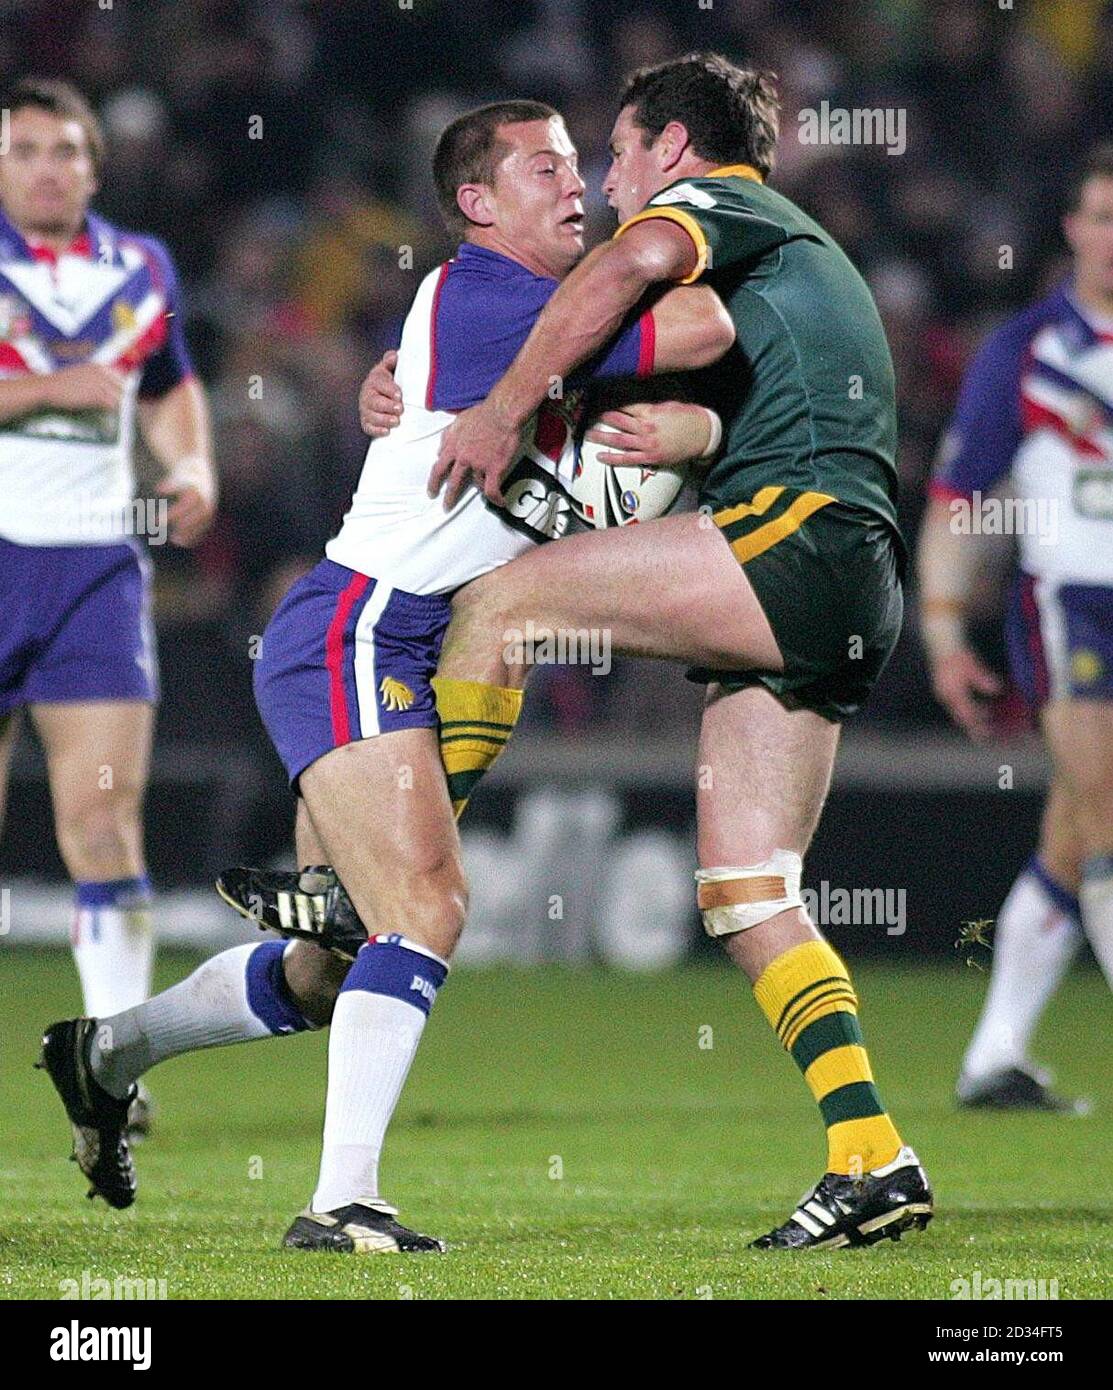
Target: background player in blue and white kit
x=91 y=346
x=1035 y=420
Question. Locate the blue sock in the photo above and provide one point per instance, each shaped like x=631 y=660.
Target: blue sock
x=394 y=966
x=1062 y=897
x=268 y=995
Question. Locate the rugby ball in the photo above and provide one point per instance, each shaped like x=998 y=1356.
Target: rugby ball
x=610 y=495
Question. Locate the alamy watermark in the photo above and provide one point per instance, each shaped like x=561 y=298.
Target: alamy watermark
x=978 y=515
x=982 y=1287
x=562 y=646
x=857 y=907
x=77 y=1343
x=120 y=1286
x=864 y=125
x=142 y=516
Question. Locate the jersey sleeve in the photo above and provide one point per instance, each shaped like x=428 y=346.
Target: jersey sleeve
x=169 y=364
x=479 y=329
x=629 y=353
x=986 y=430
x=715 y=213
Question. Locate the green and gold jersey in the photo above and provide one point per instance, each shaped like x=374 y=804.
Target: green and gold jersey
x=807 y=392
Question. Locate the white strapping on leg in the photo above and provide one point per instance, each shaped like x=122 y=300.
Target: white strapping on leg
x=785 y=865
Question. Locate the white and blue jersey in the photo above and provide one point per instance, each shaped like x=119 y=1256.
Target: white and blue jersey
x=352 y=649
x=464 y=329
x=74 y=593
x=1034 y=422
x=66 y=477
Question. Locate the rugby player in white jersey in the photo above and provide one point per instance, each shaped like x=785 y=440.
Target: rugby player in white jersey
x=91 y=345
x=345 y=685
x=1034 y=423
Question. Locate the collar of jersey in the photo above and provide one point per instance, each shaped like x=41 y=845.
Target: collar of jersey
x=741 y=171
x=95 y=231
x=468 y=251
x=1101 y=325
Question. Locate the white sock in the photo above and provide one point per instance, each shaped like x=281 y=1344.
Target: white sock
x=113 y=944
x=1034 y=941
x=233 y=997
x=1096 y=899
x=376 y=1027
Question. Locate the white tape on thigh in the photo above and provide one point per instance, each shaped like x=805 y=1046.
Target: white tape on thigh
x=733 y=900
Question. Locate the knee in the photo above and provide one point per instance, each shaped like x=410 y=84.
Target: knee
x=100 y=837
x=442 y=888
x=432 y=901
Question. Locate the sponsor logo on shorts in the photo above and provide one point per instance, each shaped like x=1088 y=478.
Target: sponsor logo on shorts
x=396 y=695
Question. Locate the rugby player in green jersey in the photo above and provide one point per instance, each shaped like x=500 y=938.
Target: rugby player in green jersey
x=783 y=592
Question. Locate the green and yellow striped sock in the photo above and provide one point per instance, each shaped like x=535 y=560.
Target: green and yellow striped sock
x=476 y=723
x=807 y=996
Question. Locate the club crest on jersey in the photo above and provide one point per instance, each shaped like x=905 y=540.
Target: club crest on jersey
x=396 y=695
x=123 y=316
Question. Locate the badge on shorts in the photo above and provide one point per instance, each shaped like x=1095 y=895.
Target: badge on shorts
x=1086 y=667
x=396 y=694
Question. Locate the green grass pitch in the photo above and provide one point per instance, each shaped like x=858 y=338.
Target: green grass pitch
x=567 y=1134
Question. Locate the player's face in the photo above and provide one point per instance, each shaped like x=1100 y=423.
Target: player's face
x=46 y=175
x=1089 y=230
x=537 y=196
x=635 y=174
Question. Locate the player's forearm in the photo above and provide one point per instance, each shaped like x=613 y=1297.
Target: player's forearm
x=947 y=563
x=176 y=430
x=20 y=395
x=585 y=312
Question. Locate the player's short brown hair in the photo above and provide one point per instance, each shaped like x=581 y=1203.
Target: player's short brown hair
x=730 y=113
x=1096 y=164
x=59 y=99
x=469 y=151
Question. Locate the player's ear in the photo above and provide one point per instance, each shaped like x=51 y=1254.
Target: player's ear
x=475 y=202
x=1069 y=225
x=671 y=144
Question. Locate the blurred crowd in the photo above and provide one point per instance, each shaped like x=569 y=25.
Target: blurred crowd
x=281 y=148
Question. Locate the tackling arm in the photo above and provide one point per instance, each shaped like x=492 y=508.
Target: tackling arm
x=588 y=309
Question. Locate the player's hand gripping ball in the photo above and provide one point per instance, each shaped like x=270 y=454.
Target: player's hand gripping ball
x=614 y=495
